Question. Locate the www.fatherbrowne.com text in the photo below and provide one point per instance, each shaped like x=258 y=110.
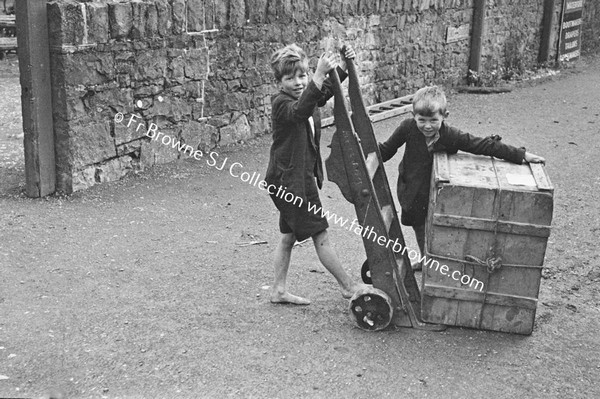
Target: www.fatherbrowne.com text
x=236 y=170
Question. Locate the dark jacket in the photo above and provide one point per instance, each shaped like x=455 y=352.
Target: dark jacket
x=295 y=156
x=415 y=169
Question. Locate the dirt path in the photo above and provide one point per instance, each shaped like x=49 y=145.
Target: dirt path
x=140 y=288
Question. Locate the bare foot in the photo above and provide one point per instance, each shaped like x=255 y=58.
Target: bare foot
x=349 y=293
x=286 y=297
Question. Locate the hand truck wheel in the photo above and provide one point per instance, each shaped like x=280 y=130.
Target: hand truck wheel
x=371 y=309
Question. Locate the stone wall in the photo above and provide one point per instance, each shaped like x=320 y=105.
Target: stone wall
x=590 y=34
x=513 y=34
x=199 y=70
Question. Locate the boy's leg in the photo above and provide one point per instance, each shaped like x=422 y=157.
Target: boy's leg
x=329 y=259
x=420 y=235
x=283 y=254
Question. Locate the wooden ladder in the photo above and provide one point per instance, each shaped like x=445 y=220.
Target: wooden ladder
x=380 y=111
x=356 y=166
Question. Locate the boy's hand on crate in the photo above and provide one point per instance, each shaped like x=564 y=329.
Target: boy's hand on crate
x=532 y=158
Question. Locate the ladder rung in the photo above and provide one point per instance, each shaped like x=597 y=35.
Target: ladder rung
x=372 y=164
x=388 y=215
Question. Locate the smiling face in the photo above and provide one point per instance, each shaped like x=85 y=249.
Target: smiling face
x=430 y=124
x=429 y=110
x=294 y=83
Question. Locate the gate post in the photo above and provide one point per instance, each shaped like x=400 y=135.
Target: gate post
x=36 y=97
x=479 y=7
x=546 y=37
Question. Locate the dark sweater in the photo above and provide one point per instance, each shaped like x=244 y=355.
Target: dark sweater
x=295 y=155
x=415 y=169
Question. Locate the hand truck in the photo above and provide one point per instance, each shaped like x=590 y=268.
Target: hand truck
x=355 y=165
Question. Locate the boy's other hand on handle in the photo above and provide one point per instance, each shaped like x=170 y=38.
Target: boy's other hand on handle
x=348 y=53
x=326 y=63
x=532 y=158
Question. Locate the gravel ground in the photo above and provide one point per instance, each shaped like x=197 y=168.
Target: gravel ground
x=141 y=288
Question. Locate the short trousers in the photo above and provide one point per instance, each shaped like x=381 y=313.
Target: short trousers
x=416 y=214
x=298 y=219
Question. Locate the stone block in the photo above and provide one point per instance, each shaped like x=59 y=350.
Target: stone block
x=120 y=18
x=64 y=164
x=66 y=25
x=124 y=55
x=252 y=34
x=133 y=127
x=251 y=78
x=139 y=10
x=219 y=16
x=150 y=64
x=56 y=37
x=200 y=136
x=112 y=100
x=111 y=170
x=82 y=179
x=370 y=41
x=124 y=80
x=260 y=126
x=237 y=13
x=103 y=65
x=132 y=148
x=125 y=67
x=178 y=16
x=114 y=169
x=178 y=91
x=91 y=143
x=364 y=7
x=389 y=21
x=237 y=101
x=66 y=99
x=71 y=103
x=206 y=15
x=389 y=6
x=156 y=152
x=387 y=72
x=97 y=22
x=164 y=14
x=171 y=107
x=142 y=103
x=152 y=21
x=195 y=15
x=193 y=89
x=72 y=107
x=237 y=130
x=149 y=90
x=176 y=69
x=195 y=64
x=257 y=11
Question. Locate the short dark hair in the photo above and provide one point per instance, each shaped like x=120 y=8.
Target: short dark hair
x=288 y=60
x=429 y=100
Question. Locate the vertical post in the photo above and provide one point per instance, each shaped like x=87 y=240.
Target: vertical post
x=560 y=29
x=546 y=31
x=36 y=98
x=479 y=7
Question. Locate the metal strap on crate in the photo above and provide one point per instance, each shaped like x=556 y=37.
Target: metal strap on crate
x=478 y=262
x=496 y=214
x=492 y=264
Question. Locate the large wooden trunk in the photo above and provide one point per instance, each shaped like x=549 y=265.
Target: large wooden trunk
x=487 y=228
